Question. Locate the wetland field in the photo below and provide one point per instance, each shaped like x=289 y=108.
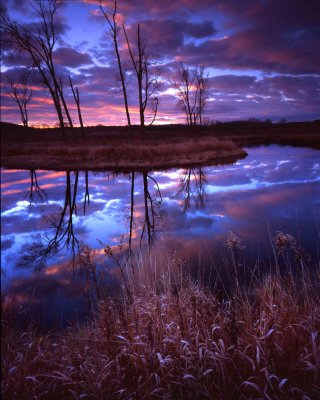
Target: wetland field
x=180 y=264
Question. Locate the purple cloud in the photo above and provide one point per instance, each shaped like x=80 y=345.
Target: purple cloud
x=69 y=57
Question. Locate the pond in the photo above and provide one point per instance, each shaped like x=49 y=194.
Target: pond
x=68 y=237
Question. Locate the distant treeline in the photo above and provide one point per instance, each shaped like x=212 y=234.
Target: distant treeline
x=11 y=133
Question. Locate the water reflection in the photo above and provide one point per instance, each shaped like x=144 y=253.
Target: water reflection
x=80 y=229
x=192 y=187
x=35 y=194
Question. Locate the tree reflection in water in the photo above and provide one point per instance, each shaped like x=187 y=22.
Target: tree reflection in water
x=152 y=212
x=35 y=194
x=62 y=222
x=192 y=186
x=143 y=226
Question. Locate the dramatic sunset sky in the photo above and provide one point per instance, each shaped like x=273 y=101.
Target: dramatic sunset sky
x=262 y=57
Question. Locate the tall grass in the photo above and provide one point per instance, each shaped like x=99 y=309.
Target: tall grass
x=148 y=153
x=167 y=337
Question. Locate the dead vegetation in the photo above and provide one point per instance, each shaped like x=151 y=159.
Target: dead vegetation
x=177 y=340
x=125 y=148
x=134 y=154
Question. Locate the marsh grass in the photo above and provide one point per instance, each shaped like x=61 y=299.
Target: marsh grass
x=167 y=337
x=135 y=153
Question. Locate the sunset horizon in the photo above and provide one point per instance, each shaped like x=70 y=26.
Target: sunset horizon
x=261 y=60
x=160 y=199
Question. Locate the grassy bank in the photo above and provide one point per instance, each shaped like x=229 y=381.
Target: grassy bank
x=133 y=154
x=159 y=147
x=179 y=341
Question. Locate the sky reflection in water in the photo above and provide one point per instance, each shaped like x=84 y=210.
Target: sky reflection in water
x=274 y=188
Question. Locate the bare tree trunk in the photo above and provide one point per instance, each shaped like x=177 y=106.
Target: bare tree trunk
x=192 y=86
x=139 y=79
x=87 y=194
x=39 y=44
x=114 y=30
x=21 y=93
x=60 y=90
x=76 y=97
x=146 y=210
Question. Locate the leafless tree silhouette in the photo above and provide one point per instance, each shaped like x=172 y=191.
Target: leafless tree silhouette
x=76 y=97
x=113 y=23
x=35 y=194
x=192 y=88
x=86 y=194
x=147 y=72
x=39 y=42
x=192 y=186
x=151 y=210
x=21 y=92
x=64 y=236
x=202 y=85
x=66 y=110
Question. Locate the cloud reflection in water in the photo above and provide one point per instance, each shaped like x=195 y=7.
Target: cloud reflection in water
x=274 y=188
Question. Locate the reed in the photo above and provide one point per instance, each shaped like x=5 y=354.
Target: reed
x=168 y=337
x=118 y=154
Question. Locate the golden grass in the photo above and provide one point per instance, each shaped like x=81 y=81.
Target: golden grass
x=119 y=154
x=177 y=341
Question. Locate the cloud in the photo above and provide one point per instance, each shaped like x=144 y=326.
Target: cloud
x=165 y=36
x=7 y=243
x=68 y=57
x=268 y=49
x=255 y=49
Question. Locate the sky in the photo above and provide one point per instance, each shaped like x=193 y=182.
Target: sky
x=262 y=59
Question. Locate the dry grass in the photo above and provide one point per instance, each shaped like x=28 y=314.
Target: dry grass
x=117 y=154
x=177 y=340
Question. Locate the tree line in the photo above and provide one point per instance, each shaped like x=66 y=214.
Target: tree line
x=39 y=42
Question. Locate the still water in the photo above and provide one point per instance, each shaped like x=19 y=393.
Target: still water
x=66 y=235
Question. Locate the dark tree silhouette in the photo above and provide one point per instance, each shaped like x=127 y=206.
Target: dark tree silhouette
x=64 y=236
x=35 y=194
x=76 y=97
x=146 y=71
x=114 y=32
x=202 y=85
x=86 y=194
x=192 y=186
x=21 y=92
x=61 y=94
x=39 y=42
x=192 y=88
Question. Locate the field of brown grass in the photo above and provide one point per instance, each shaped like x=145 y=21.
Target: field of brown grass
x=177 y=340
x=114 y=154
x=168 y=146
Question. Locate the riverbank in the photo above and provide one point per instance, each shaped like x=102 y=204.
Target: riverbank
x=160 y=147
x=176 y=340
x=135 y=154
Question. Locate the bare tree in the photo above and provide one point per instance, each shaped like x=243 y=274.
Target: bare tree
x=192 y=87
x=202 y=85
x=61 y=94
x=192 y=186
x=114 y=32
x=21 y=92
x=76 y=97
x=146 y=71
x=35 y=194
x=62 y=223
x=38 y=41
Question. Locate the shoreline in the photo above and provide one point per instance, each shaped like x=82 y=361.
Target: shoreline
x=160 y=147
x=119 y=156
